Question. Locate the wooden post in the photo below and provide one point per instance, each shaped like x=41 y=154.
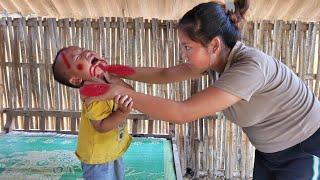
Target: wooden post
x=8 y=125
x=135 y=126
x=2 y=65
x=317 y=83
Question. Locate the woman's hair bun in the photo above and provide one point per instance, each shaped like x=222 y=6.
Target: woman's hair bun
x=241 y=7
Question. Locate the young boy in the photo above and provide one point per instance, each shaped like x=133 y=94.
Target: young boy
x=103 y=136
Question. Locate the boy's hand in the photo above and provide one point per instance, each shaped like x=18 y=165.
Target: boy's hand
x=125 y=103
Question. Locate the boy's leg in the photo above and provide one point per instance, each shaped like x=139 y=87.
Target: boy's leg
x=98 y=171
x=119 y=169
x=113 y=170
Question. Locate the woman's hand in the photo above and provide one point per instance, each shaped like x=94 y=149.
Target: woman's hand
x=124 y=102
x=112 y=91
x=113 y=79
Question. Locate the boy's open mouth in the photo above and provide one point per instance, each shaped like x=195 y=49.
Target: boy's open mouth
x=94 y=64
x=94 y=61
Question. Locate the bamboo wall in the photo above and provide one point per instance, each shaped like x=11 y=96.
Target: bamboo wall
x=29 y=47
x=209 y=147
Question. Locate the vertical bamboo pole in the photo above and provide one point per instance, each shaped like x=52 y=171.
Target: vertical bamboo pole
x=147 y=63
x=55 y=46
x=113 y=41
x=255 y=31
x=73 y=37
x=47 y=61
x=142 y=62
x=317 y=83
x=22 y=72
x=296 y=42
x=43 y=98
x=117 y=40
x=275 y=37
x=74 y=94
x=102 y=37
x=88 y=27
x=15 y=83
x=4 y=28
x=77 y=25
x=311 y=53
x=291 y=44
x=288 y=49
x=107 y=47
x=95 y=36
x=155 y=53
x=2 y=75
x=169 y=63
x=283 y=42
x=33 y=68
x=302 y=52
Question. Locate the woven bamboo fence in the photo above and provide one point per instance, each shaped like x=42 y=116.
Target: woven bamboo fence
x=209 y=148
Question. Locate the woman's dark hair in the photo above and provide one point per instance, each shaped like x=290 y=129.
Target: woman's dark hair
x=208 y=20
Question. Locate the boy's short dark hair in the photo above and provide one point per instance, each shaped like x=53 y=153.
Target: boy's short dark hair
x=57 y=75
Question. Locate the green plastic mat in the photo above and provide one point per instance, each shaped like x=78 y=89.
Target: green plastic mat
x=51 y=156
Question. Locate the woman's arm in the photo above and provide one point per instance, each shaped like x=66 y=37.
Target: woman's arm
x=204 y=103
x=156 y=75
x=116 y=80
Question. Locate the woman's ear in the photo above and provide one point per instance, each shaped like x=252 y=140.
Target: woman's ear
x=215 y=45
x=75 y=81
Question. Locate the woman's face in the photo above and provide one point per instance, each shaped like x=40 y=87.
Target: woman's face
x=202 y=58
x=194 y=53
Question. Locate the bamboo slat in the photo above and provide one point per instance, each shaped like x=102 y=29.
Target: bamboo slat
x=317 y=83
x=34 y=69
x=3 y=81
x=113 y=47
x=296 y=43
x=43 y=96
x=302 y=49
x=21 y=73
x=4 y=69
x=2 y=87
x=313 y=31
x=102 y=37
x=15 y=81
x=88 y=30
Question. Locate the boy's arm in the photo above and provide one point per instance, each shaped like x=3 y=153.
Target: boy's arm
x=110 y=122
x=115 y=118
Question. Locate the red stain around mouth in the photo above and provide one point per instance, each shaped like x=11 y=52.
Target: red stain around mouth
x=92 y=90
x=90 y=70
x=65 y=60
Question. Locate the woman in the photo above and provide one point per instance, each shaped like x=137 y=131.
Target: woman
x=276 y=110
